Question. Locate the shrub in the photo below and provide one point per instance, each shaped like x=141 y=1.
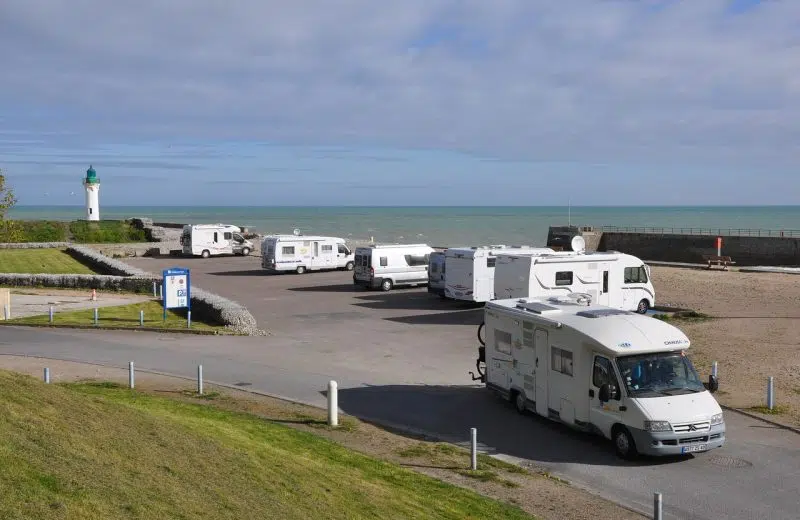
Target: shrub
x=43 y=231
x=79 y=281
x=105 y=232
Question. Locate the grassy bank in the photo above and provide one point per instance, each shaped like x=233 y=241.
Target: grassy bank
x=40 y=261
x=79 y=231
x=121 y=317
x=99 y=451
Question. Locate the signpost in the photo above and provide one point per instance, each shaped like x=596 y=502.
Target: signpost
x=176 y=292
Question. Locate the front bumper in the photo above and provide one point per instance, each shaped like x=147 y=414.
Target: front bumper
x=670 y=443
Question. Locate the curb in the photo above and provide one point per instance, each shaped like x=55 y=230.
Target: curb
x=9 y=323
x=762 y=419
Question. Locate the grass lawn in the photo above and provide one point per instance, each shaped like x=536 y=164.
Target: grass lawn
x=122 y=316
x=40 y=261
x=95 y=450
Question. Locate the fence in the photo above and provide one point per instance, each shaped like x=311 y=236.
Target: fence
x=730 y=232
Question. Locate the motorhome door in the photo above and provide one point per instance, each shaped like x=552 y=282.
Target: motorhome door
x=541 y=365
x=525 y=361
x=325 y=258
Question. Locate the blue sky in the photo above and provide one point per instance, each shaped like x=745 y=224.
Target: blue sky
x=420 y=102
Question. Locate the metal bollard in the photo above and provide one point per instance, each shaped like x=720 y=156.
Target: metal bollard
x=51 y=315
x=96 y=315
x=6 y=312
x=333 y=404
x=714 y=369
x=46 y=375
x=188 y=319
x=473 y=433
x=159 y=290
x=154 y=290
x=200 y=379
x=131 y=377
x=658 y=509
x=141 y=318
x=770 y=393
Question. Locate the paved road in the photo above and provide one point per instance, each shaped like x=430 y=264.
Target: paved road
x=755 y=476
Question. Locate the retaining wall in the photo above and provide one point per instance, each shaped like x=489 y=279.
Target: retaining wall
x=744 y=250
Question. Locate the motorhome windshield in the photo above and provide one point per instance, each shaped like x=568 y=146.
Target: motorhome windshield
x=659 y=374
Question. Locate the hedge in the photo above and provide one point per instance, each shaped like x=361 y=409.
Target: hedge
x=120 y=276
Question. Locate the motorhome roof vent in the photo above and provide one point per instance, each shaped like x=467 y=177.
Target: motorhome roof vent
x=538 y=307
x=600 y=313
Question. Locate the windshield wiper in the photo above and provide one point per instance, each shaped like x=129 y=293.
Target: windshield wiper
x=668 y=391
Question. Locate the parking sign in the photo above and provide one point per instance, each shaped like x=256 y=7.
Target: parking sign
x=176 y=291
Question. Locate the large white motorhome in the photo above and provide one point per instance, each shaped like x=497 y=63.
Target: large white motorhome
x=603 y=370
x=470 y=270
x=301 y=253
x=214 y=239
x=392 y=265
x=436 y=273
x=614 y=279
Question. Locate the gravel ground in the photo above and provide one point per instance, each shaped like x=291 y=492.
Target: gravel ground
x=756 y=335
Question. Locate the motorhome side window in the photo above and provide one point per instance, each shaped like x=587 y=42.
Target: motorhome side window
x=417 y=259
x=287 y=250
x=491 y=261
x=227 y=235
x=561 y=361
x=564 y=278
x=327 y=248
x=502 y=341
x=384 y=261
x=635 y=275
x=603 y=372
x=216 y=236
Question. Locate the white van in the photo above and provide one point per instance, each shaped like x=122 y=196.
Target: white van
x=612 y=372
x=614 y=279
x=436 y=273
x=470 y=270
x=300 y=253
x=388 y=266
x=214 y=239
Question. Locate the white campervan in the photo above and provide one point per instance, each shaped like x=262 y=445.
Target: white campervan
x=614 y=279
x=612 y=372
x=388 y=266
x=470 y=270
x=300 y=253
x=214 y=239
x=436 y=273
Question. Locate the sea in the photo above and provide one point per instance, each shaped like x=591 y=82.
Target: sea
x=444 y=226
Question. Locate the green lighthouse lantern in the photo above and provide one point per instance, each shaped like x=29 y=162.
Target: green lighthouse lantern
x=91 y=176
x=92 y=187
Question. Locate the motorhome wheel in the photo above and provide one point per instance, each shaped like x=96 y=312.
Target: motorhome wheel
x=519 y=401
x=349 y=266
x=300 y=269
x=205 y=253
x=386 y=285
x=643 y=307
x=623 y=443
x=245 y=251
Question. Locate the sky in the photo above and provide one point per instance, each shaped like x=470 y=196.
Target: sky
x=419 y=102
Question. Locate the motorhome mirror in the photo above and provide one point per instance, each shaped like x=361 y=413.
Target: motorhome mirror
x=713 y=383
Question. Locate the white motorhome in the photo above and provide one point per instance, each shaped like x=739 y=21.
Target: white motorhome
x=436 y=273
x=393 y=265
x=598 y=369
x=301 y=253
x=470 y=270
x=614 y=279
x=214 y=239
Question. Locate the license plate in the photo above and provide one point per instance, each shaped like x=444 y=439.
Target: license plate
x=692 y=449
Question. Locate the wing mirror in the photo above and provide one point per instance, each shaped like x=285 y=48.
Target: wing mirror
x=608 y=392
x=713 y=383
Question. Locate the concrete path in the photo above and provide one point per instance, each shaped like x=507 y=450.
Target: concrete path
x=756 y=475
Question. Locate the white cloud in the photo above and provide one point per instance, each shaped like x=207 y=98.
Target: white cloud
x=585 y=80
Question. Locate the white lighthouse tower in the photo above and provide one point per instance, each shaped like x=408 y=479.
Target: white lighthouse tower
x=92 y=187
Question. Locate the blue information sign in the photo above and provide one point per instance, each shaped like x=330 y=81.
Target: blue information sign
x=176 y=290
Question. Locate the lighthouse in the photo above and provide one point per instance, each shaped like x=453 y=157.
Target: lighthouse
x=92 y=187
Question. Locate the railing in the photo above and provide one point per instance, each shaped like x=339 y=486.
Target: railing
x=730 y=232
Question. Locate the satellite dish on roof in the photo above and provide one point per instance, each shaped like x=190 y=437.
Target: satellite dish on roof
x=296 y=232
x=578 y=244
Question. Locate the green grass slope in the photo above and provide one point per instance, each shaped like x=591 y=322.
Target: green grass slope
x=98 y=451
x=40 y=261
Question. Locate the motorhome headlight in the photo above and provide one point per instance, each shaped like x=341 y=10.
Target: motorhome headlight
x=716 y=419
x=657 y=426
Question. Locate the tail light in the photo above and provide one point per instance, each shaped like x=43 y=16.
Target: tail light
x=372 y=272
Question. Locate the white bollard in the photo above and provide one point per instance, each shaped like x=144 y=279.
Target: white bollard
x=714 y=369
x=96 y=315
x=131 y=376
x=658 y=508
x=51 y=315
x=154 y=290
x=473 y=448
x=333 y=404
x=159 y=290
x=188 y=319
x=6 y=312
x=46 y=375
x=771 y=393
x=200 y=379
x=141 y=318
